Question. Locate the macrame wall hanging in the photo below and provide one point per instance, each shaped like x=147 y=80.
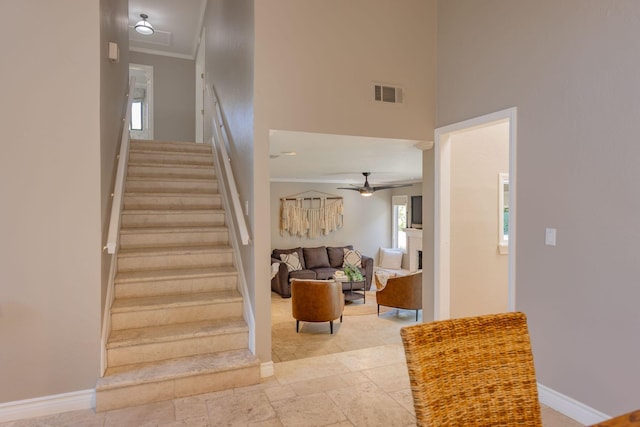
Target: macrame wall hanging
x=310 y=214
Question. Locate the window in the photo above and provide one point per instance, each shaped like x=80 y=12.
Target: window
x=136 y=115
x=503 y=213
x=399 y=221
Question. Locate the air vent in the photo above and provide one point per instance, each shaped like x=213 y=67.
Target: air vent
x=385 y=93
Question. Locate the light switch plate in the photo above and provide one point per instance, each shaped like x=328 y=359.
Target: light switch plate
x=550 y=237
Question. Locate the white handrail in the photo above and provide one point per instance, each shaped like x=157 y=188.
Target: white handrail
x=222 y=140
x=118 y=190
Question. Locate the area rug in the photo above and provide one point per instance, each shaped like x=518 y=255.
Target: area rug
x=357 y=308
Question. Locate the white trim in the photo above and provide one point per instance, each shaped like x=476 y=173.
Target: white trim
x=570 y=407
x=106 y=315
x=424 y=145
x=48 y=405
x=267 y=369
x=442 y=200
x=161 y=53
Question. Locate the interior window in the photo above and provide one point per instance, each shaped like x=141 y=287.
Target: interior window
x=136 y=115
x=503 y=213
x=399 y=221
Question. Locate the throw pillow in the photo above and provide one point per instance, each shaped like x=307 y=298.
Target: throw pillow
x=352 y=257
x=336 y=255
x=292 y=260
x=391 y=258
x=316 y=257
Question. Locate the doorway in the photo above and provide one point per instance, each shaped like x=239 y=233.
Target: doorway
x=505 y=238
x=141 y=126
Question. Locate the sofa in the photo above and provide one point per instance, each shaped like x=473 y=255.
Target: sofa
x=319 y=263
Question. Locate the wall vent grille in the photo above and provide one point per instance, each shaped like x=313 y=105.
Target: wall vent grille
x=386 y=93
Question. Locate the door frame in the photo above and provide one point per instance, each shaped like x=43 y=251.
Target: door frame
x=442 y=206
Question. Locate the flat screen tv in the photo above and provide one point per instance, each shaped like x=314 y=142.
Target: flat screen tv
x=416 y=211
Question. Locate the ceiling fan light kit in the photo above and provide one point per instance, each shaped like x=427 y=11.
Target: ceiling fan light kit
x=367 y=190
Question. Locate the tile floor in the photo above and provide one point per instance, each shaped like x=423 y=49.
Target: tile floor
x=324 y=384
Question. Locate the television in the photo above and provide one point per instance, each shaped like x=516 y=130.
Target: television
x=416 y=211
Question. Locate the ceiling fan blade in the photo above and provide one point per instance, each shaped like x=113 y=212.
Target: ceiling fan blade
x=349 y=188
x=386 y=187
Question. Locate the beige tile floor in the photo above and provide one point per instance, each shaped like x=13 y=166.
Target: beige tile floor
x=324 y=384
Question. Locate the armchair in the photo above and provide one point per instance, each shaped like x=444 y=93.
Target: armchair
x=401 y=292
x=316 y=301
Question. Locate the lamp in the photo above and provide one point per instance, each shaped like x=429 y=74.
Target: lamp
x=143 y=26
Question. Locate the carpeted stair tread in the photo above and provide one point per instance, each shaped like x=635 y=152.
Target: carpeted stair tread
x=169 y=146
x=144 y=373
x=168 y=211
x=176 y=273
x=173 y=229
x=174 y=195
x=123 y=305
x=173 y=250
x=208 y=168
x=157 y=185
x=176 y=332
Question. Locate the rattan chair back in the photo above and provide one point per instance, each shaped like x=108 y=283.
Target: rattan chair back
x=475 y=371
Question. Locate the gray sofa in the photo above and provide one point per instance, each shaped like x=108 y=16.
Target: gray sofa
x=318 y=263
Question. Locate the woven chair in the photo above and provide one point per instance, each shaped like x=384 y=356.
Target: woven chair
x=475 y=371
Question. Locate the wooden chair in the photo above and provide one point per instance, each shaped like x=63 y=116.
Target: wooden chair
x=316 y=301
x=475 y=371
x=401 y=292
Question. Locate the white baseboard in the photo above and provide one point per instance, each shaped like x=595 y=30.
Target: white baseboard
x=570 y=407
x=48 y=405
x=266 y=369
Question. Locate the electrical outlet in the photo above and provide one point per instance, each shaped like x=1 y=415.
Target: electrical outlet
x=246 y=207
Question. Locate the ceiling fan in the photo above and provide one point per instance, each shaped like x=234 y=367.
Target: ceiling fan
x=367 y=190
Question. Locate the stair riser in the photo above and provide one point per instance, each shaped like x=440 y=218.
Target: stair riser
x=195 y=219
x=175 y=388
x=176 y=287
x=153 y=186
x=170 y=172
x=171 y=158
x=180 y=348
x=170 y=315
x=172 y=202
x=162 y=147
x=169 y=261
x=138 y=240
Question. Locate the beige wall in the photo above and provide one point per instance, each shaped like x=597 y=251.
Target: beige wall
x=114 y=80
x=478 y=281
x=50 y=187
x=571 y=68
x=230 y=68
x=315 y=64
x=174 y=100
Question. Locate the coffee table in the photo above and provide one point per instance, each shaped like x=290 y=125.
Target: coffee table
x=351 y=294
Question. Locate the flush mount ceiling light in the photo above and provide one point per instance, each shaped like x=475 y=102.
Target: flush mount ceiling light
x=143 y=26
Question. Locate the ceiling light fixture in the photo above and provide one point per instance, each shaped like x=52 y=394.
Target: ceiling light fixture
x=143 y=26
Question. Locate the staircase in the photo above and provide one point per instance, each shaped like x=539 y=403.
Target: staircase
x=176 y=320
